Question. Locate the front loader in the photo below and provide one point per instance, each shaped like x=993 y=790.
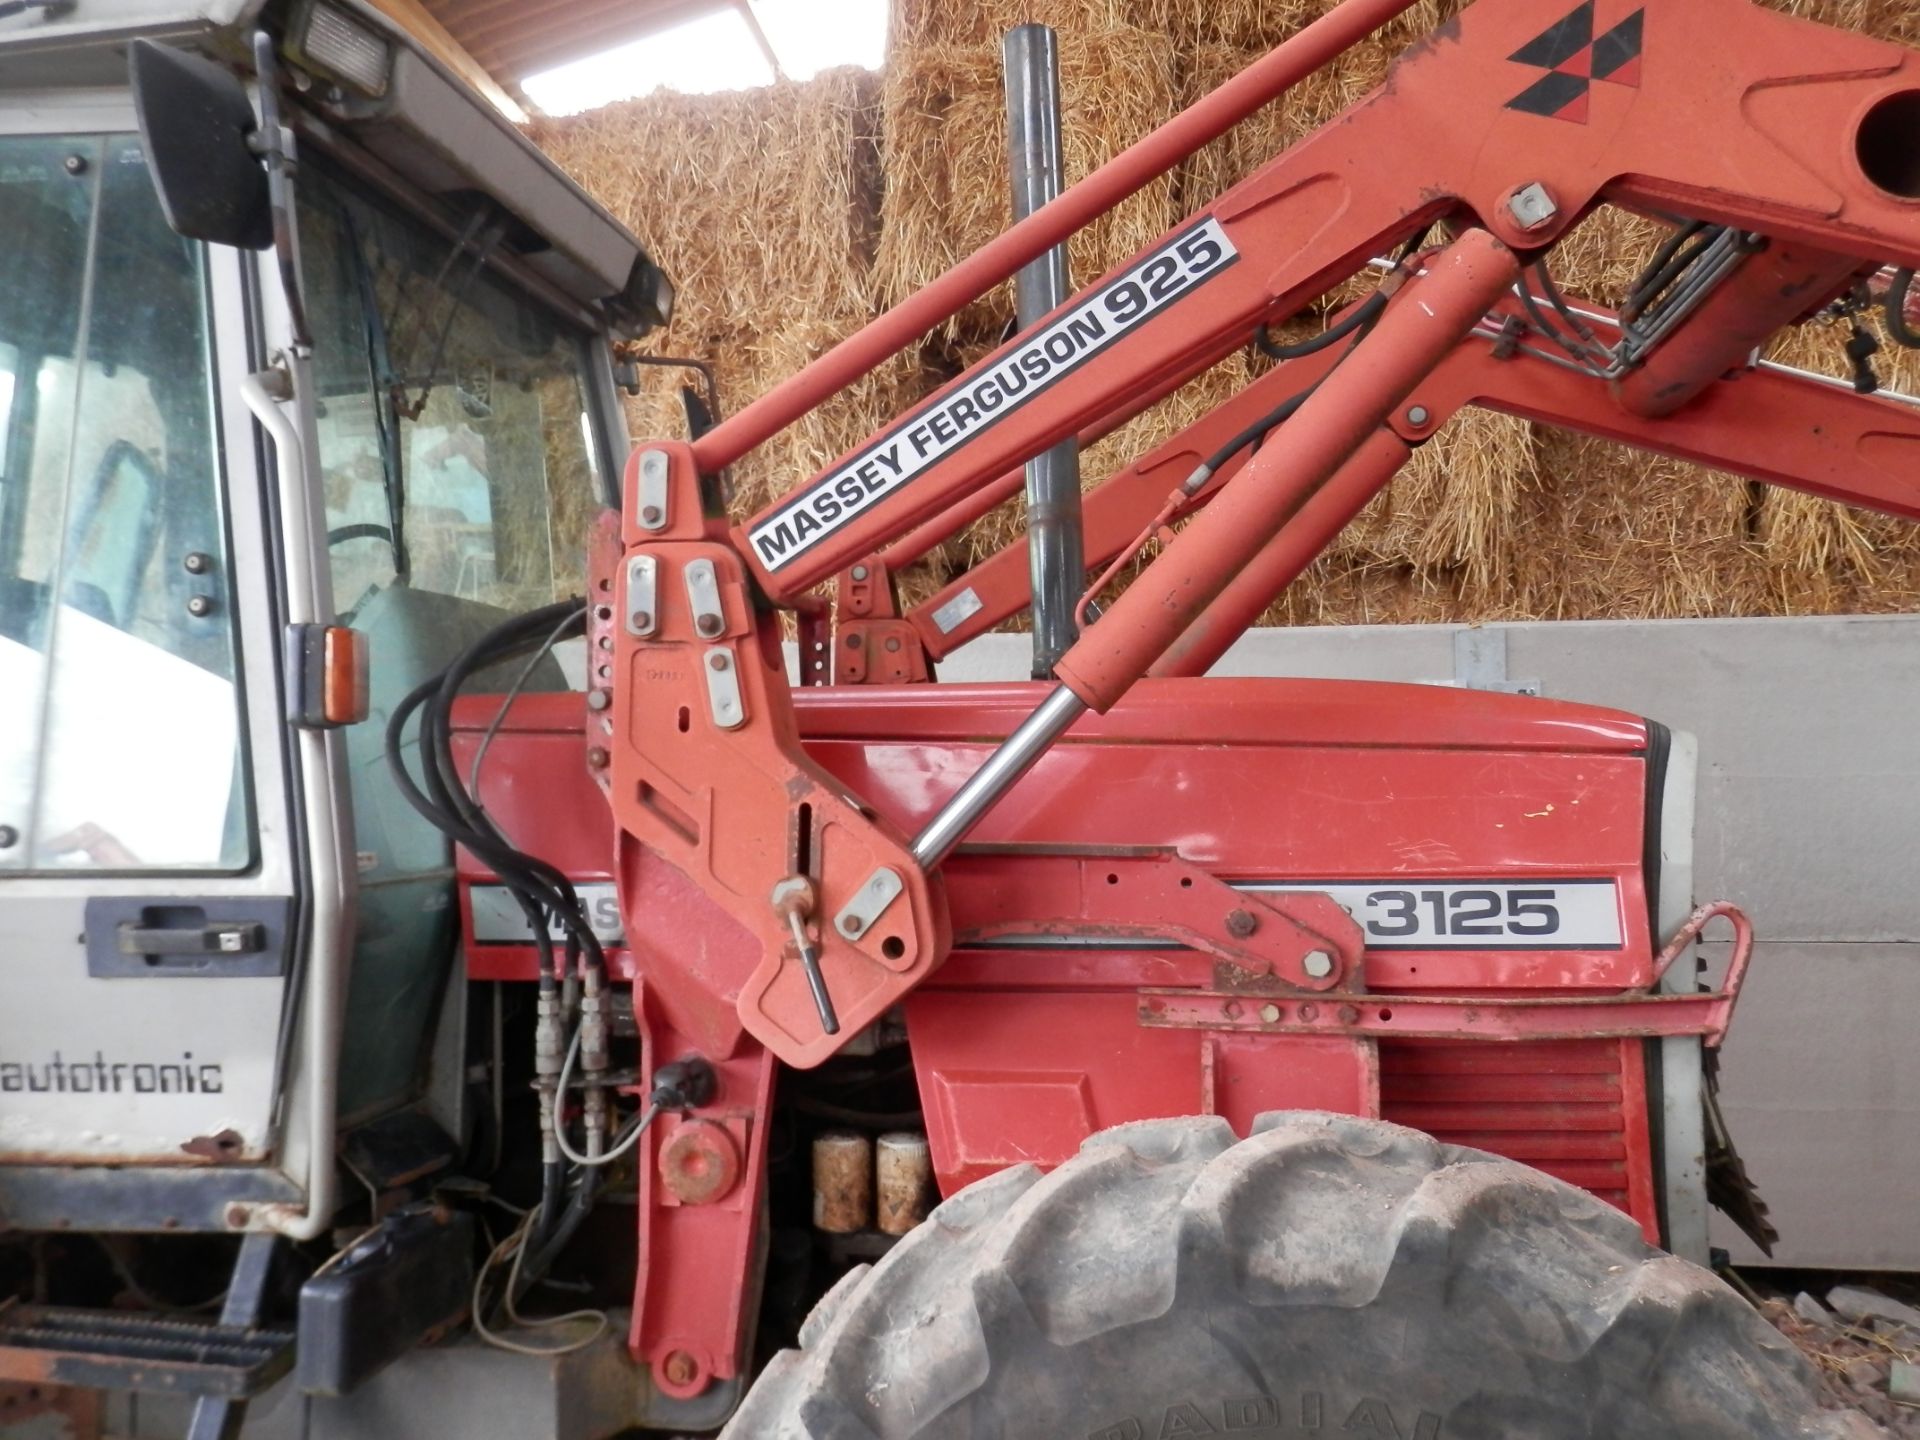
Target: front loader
x=1291 y=1056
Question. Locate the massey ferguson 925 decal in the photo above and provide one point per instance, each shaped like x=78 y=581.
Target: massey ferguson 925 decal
x=988 y=397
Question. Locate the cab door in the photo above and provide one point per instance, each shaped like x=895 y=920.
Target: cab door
x=151 y=915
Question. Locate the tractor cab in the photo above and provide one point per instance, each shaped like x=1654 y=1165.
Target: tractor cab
x=306 y=381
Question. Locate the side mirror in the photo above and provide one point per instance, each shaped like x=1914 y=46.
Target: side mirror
x=196 y=123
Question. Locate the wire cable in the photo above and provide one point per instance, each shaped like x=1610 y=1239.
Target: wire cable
x=506 y=703
x=515 y=1245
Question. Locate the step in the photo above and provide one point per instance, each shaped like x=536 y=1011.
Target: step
x=132 y=1350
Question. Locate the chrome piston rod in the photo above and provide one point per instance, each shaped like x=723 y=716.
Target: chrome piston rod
x=1017 y=754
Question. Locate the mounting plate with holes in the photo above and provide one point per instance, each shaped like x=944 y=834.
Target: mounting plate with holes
x=643 y=607
x=651 y=511
x=868 y=904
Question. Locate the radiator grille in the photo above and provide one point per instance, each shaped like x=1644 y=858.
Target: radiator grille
x=1562 y=1108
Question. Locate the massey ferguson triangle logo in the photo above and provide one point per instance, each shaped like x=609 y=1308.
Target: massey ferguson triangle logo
x=1573 y=59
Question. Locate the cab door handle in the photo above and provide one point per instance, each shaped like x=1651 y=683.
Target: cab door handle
x=246 y=937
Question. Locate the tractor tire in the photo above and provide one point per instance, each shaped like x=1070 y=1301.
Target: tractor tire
x=1328 y=1275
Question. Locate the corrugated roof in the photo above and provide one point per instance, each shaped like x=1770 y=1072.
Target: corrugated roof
x=517 y=38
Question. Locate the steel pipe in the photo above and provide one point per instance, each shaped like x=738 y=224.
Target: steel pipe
x=1770 y=290
x=1056 y=551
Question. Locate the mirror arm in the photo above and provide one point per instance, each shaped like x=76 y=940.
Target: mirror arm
x=276 y=146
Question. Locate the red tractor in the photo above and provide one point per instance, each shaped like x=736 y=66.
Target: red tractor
x=1293 y=1057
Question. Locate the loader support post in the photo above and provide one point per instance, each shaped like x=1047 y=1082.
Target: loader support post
x=1415 y=333
x=1055 y=550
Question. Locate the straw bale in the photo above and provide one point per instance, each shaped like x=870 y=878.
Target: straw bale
x=1210 y=62
x=1459 y=509
x=1249 y=24
x=918 y=24
x=1896 y=20
x=947 y=188
x=759 y=203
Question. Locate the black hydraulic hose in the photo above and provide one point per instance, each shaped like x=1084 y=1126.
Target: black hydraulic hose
x=541 y=889
x=1364 y=314
x=1669 y=263
x=1561 y=308
x=1258 y=431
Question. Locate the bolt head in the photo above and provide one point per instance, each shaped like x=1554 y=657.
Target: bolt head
x=1317 y=963
x=709 y=624
x=850 y=925
x=680 y=1368
x=199 y=606
x=649 y=514
x=598 y=758
x=1242 y=923
x=1270 y=1014
x=859 y=572
x=598 y=699
x=197 y=563
x=640 y=619
x=893 y=645
x=1533 y=207
x=718 y=660
x=1419 y=415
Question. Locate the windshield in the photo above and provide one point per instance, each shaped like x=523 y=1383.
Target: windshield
x=455 y=441
x=119 y=730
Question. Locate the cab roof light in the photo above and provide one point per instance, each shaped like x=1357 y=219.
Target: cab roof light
x=327 y=39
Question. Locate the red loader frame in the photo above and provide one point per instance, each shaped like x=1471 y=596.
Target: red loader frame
x=801 y=908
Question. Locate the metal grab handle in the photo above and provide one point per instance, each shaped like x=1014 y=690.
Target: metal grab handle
x=1688 y=934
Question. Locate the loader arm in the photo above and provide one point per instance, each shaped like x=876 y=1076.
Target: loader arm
x=1767 y=423
x=1508 y=125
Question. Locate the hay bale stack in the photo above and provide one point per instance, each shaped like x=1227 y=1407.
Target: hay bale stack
x=947 y=190
x=757 y=202
x=747 y=364
x=1247 y=24
x=788 y=216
